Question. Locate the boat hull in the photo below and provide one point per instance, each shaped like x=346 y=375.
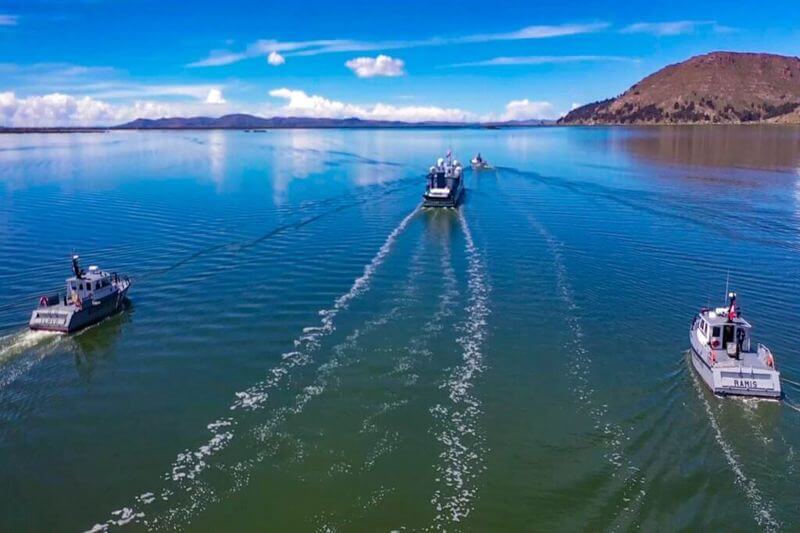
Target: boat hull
x=69 y=318
x=733 y=380
x=451 y=200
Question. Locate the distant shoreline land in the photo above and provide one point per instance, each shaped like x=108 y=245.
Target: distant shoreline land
x=251 y=122
x=715 y=88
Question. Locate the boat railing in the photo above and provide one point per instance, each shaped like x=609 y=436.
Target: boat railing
x=50 y=299
x=765 y=354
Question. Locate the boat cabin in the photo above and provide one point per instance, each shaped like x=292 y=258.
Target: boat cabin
x=94 y=284
x=715 y=328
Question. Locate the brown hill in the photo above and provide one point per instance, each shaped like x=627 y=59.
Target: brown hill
x=718 y=88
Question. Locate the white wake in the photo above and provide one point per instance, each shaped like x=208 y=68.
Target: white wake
x=462 y=457
x=189 y=464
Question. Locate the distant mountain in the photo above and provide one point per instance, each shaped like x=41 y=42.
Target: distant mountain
x=242 y=121
x=716 y=88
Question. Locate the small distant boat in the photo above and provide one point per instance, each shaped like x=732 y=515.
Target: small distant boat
x=479 y=163
x=90 y=297
x=445 y=183
x=723 y=356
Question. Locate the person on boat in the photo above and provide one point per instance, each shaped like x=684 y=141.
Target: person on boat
x=478 y=158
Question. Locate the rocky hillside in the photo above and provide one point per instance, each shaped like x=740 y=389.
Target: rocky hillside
x=716 y=88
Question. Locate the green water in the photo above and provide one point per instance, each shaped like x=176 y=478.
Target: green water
x=306 y=350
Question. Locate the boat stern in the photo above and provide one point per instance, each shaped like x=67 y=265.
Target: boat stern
x=744 y=381
x=52 y=318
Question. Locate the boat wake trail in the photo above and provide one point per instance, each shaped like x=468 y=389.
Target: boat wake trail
x=419 y=346
x=761 y=507
x=184 y=474
x=241 y=246
x=579 y=369
x=36 y=344
x=458 y=421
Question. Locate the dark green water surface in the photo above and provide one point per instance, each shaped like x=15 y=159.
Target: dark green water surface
x=305 y=350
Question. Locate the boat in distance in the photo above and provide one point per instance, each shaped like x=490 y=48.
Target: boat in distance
x=445 y=185
x=724 y=358
x=89 y=298
x=479 y=163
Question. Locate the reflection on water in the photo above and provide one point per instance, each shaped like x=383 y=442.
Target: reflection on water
x=757 y=147
x=294 y=158
x=98 y=342
x=217 y=154
x=440 y=222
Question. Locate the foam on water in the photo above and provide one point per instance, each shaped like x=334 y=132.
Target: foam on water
x=33 y=345
x=17 y=343
x=461 y=460
x=189 y=464
x=761 y=507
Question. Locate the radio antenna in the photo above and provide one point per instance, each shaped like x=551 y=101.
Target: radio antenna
x=727 y=279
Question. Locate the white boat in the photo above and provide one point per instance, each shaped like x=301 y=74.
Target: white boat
x=724 y=358
x=445 y=184
x=479 y=163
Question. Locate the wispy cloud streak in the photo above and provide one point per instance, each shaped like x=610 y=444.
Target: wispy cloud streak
x=330 y=46
x=542 y=60
x=678 y=27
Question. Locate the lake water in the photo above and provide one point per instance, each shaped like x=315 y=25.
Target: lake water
x=306 y=350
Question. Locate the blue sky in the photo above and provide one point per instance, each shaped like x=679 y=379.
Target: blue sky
x=104 y=61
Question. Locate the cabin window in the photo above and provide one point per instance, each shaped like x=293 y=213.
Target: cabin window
x=80 y=286
x=715 y=331
x=97 y=286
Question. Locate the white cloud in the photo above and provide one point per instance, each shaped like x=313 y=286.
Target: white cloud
x=8 y=20
x=329 y=46
x=574 y=106
x=299 y=103
x=383 y=65
x=58 y=109
x=275 y=59
x=215 y=97
x=541 y=60
x=526 y=110
x=668 y=29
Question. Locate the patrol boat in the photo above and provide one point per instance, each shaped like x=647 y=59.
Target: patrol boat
x=90 y=297
x=445 y=186
x=479 y=163
x=723 y=356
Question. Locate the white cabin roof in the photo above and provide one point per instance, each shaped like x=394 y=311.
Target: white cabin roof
x=719 y=317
